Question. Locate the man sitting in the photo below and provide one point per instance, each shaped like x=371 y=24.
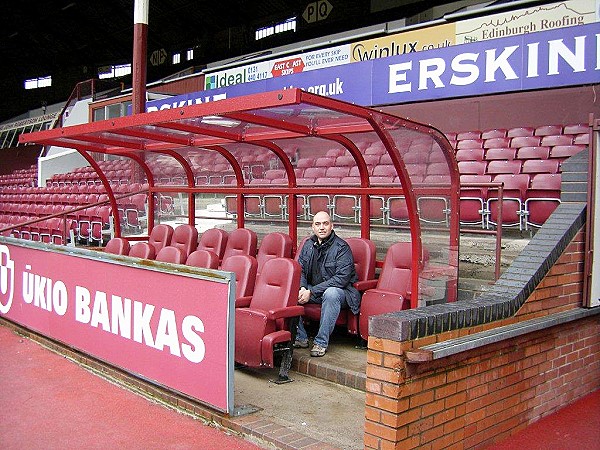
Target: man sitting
x=327 y=276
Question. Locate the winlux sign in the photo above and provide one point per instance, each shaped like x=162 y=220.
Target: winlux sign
x=316 y=11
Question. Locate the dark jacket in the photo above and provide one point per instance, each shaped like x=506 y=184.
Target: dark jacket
x=334 y=266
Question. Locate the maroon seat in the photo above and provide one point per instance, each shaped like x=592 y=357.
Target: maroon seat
x=160 y=236
x=500 y=153
x=241 y=241
x=214 y=239
x=473 y=199
x=203 y=258
x=515 y=188
x=494 y=133
x=273 y=245
x=504 y=167
x=245 y=269
x=142 y=250
x=533 y=153
x=543 y=197
x=469 y=143
x=561 y=139
x=525 y=141
x=170 y=254
x=472 y=167
x=185 y=237
x=393 y=289
x=498 y=142
x=534 y=166
x=266 y=322
x=117 y=246
x=364 y=253
x=470 y=154
x=547 y=130
x=520 y=131
x=565 y=151
x=476 y=134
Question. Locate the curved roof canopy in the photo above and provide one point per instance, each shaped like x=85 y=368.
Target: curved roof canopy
x=422 y=160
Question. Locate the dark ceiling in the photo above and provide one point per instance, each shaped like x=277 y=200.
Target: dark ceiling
x=69 y=40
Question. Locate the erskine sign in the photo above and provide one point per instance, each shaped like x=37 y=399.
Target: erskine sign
x=144 y=319
x=543 y=60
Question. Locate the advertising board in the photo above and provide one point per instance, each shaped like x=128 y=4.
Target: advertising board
x=172 y=328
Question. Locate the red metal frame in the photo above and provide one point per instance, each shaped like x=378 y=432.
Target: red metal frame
x=264 y=119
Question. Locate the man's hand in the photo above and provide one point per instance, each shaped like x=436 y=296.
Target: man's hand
x=303 y=295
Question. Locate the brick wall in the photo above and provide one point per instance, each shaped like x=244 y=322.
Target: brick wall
x=480 y=396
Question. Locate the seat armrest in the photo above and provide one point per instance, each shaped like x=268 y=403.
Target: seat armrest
x=365 y=284
x=242 y=302
x=289 y=311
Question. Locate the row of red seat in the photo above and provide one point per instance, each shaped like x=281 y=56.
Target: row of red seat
x=237 y=252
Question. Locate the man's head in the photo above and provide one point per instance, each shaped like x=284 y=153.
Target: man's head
x=322 y=225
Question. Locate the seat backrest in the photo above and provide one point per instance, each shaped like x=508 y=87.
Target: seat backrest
x=185 y=237
x=396 y=271
x=277 y=286
x=170 y=254
x=244 y=267
x=117 y=246
x=364 y=253
x=214 y=239
x=273 y=245
x=203 y=258
x=160 y=236
x=142 y=250
x=241 y=241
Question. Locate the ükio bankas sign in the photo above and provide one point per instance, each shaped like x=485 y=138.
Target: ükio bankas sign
x=172 y=328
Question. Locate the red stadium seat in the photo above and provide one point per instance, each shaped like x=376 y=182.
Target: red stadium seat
x=582 y=139
x=468 y=135
x=542 y=198
x=534 y=166
x=525 y=141
x=472 y=167
x=551 y=141
x=577 y=128
x=547 y=130
x=185 y=237
x=533 y=153
x=266 y=322
x=469 y=143
x=504 y=166
x=346 y=207
x=565 y=151
x=142 y=250
x=494 y=133
x=470 y=154
x=215 y=240
x=273 y=245
x=117 y=246
x=245 y=268
x=473 y=200
x=160 y=236
x=498 y=142
x=520 y=131
x=203 y=258
x=515 y=188
x=241 y=241
x=393 y=289
x=170 y=254
x=500 y=153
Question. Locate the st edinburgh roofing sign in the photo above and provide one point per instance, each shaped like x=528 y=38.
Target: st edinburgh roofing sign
x=556 y=58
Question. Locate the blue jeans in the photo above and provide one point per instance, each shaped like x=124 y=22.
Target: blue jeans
x=332 y=301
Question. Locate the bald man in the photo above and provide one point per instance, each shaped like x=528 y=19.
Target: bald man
x=327 y=278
